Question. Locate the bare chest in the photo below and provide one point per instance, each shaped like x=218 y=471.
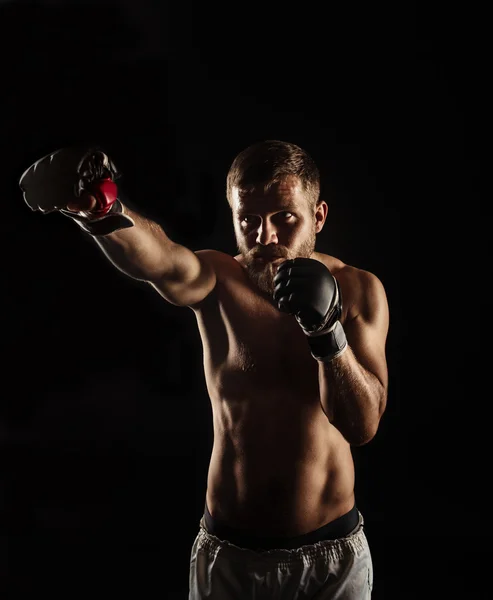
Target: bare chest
x=251 y=348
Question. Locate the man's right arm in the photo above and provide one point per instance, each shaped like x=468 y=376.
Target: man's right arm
x=84 y=184
x=146 y=253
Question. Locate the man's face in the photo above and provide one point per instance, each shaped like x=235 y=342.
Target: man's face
x=274 y=226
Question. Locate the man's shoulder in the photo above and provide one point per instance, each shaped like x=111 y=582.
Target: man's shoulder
x=359 y=286
x=346 y=272
x=213 y=255
x=219 y=261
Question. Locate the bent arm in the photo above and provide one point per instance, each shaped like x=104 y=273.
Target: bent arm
x=353 y=386
x=144 y=252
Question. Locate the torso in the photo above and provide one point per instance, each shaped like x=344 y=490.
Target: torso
x=278 y=467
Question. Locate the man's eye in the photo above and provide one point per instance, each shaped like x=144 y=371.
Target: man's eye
x=287 y=215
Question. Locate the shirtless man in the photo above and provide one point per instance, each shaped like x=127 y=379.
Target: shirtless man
x=295 y=365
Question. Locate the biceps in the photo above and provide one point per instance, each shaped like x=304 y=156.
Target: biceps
x=191 y=280
x=367 y=341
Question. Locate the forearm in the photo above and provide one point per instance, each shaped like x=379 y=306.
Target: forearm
x=142 y=252
x=351 y=397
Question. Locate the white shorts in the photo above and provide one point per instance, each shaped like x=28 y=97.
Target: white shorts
x=338 y=569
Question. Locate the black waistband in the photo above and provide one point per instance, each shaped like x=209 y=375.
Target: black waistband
x=336 y=529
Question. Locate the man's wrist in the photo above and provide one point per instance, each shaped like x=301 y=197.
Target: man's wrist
x=114 y=220
x=327 y=345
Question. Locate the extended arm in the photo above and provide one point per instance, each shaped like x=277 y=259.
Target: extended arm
x=146 y=253
x=85 y=185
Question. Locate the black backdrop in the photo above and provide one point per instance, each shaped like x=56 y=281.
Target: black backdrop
x=105 y=421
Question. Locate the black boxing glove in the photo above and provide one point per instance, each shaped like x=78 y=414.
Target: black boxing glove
x=59 y=178
x=305 y=288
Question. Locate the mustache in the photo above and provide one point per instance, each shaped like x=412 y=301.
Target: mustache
x=273 y=253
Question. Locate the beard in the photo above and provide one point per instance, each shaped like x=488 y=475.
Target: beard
x=262 y=273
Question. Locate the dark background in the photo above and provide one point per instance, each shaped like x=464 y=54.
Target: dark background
x=105 y=421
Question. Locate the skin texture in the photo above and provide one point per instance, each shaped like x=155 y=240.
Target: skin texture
x=283 y=423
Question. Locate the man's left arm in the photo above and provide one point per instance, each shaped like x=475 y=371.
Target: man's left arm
x=353 y=367
x=353 y=385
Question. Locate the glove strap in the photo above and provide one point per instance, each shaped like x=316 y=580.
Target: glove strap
x=114 y=220
x=329 y=344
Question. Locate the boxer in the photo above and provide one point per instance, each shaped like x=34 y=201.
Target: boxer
x=295 y=363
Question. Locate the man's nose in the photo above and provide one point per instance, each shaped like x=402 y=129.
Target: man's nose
x=266 y=234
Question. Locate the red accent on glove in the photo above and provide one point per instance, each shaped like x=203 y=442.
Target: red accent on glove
x=105 y=191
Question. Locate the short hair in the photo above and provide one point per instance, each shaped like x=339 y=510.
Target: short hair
x=268 y=162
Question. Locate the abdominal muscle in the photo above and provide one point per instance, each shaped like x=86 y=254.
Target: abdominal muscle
x=277 y=470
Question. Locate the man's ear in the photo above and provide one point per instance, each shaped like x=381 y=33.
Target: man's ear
x=321 y=210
